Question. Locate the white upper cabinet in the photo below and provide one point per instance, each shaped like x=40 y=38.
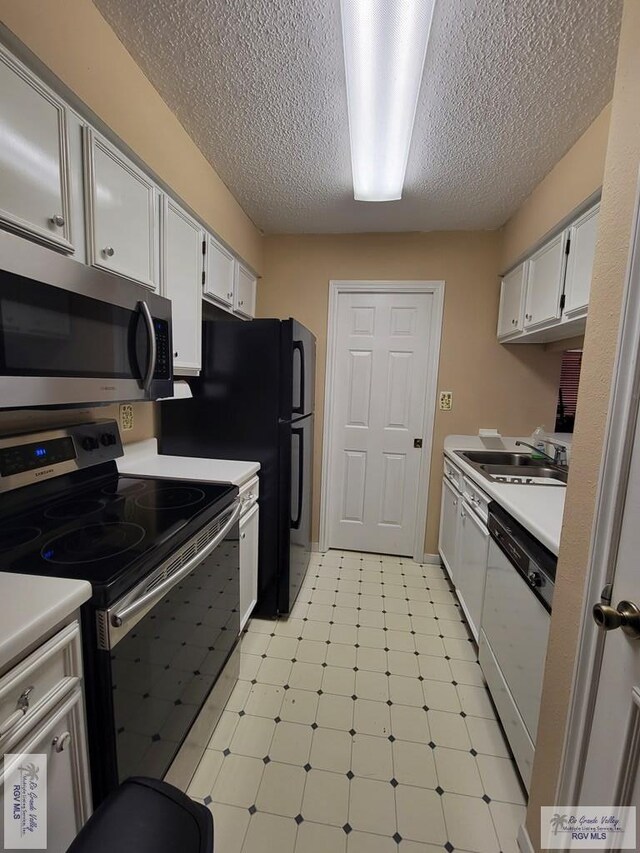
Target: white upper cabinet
x=182 y=283
x=582 y=248
x=220 y=274
x=511 y=302
x=34 y=179
x=245 y=292
x=121 y=213
x=545 y=280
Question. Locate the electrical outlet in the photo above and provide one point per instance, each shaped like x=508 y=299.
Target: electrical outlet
x=446 y=401
x=126 y=416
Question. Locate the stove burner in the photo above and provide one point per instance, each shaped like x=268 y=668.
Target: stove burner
x=171 y=498
x=74 y=508
x=16 y=536
x=123 y=489
x=93 y=543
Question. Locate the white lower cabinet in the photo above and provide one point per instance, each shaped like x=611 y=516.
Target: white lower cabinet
x=182 y=264
x=449 y=524
x=473 y=549
x=249 y=528
x=61 y=738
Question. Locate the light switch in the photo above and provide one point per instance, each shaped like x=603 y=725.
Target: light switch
x=446 y=401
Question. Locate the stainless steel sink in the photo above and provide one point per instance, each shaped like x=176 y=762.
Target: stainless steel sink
x=518 y=468
x=498 y=457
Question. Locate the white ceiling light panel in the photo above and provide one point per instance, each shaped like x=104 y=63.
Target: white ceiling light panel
x=385 y=44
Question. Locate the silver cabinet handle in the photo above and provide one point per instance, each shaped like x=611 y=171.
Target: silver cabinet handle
x=528 y=316
x=229 y=295
x=13 y=719
x=118 y=619
x=57 y=220
x=455 y=501
x=109 y=251
x=513 y=322
x=60 y=742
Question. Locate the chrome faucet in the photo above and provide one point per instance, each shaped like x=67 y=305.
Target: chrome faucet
x=559 y=454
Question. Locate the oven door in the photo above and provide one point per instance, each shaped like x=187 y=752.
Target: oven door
x=70 y=334
x=168 y=644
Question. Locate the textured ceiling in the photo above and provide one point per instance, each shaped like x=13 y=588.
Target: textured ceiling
x=508 y=86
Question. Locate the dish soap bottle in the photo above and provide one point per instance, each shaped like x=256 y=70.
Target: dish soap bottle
x=537 y=439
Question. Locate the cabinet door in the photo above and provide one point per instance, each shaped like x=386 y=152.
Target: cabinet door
x=34 y=177
x=249 y=526
x=511 y=302
x=472 y=561
x=245 y=292
x=62 y=739
x=449 y=515
x=121 y=202
x=182 y=283
x=545 y=281
x=220 y=274
x=582 y=235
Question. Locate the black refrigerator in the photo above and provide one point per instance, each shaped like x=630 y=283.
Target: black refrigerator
x=254 y=400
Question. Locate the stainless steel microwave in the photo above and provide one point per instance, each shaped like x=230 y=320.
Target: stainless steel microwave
x=72 y=335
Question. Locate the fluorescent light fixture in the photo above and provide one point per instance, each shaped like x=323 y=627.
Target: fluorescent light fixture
x=385 y=44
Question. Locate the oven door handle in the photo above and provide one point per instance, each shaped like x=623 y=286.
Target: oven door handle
x=118 y=619
x=153 y=350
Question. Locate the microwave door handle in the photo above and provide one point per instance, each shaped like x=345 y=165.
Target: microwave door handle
x=120 y=617
x=295 y=522
x=298 y=345
x=153 y=351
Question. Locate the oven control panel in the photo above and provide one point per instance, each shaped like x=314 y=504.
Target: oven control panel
x=32 y=457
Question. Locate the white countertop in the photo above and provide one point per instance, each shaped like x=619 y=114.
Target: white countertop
x=538 y=508
x=31 y=605
x=141 y=459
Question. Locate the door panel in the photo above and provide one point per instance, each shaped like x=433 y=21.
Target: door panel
x=301 y=496
x=383 y=341
x=449 y=523
x=545 y=280
x=511 y=299
x=580 y=263
x=359 y=387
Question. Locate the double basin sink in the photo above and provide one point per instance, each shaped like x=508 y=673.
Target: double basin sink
x=517 y=468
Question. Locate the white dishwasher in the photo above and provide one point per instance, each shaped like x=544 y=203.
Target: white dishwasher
x=515 y=630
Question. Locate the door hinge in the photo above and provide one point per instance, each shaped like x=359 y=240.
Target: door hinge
x=563 y=299
x=204 y=247
x=203 y=274
x=568 y=246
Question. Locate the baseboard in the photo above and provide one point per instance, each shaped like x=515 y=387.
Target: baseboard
x=432 y=559
x=524 y=842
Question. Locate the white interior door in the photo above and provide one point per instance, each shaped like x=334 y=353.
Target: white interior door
x=612 y=770
x=385 y=350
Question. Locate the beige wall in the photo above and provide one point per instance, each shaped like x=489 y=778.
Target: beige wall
x=77 y=44
x=511 y=388
x=609 y=274
x=572 y=180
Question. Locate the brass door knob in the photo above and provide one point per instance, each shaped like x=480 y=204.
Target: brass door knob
x=626 y=616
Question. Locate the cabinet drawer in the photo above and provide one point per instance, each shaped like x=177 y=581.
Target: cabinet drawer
x=249 y=494
x=453 y=475
x=476 y=497
x=47 y=673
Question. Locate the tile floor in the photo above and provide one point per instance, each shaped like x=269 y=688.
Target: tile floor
x=361 y=724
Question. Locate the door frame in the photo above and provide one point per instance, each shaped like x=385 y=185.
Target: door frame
x=621 y=428
x=336 y=289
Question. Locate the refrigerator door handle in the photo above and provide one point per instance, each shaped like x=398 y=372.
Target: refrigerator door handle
x=298 y=345
x=295 y=522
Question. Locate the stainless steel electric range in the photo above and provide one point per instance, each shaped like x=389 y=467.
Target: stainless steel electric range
x=160 y=631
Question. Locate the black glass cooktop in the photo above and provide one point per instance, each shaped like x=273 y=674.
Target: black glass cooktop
x=109 y=531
